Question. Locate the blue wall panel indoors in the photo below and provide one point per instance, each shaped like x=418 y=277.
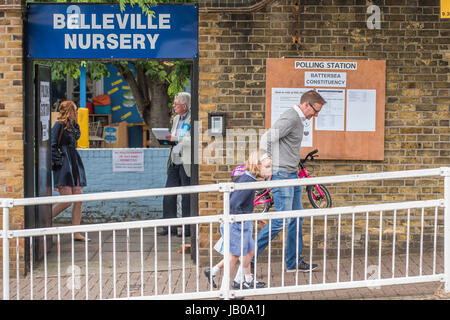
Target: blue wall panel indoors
x=123 y=105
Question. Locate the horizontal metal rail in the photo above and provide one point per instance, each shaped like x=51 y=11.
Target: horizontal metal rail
x=227 y=219
x=222 y=186
x=143 y=193
x=113 y=226
x=334 y=211
x=342 y=179
x=219 y=218
x=335 y=286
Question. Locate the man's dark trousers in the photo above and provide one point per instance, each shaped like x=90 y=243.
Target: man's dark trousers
x=176 y=177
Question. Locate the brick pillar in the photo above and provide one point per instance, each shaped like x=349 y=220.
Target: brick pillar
x=11 y=113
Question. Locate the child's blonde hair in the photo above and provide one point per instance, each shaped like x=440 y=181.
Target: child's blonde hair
x=251 y=164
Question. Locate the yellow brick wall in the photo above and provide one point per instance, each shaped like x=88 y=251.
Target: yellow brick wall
x=414 y=42
x=11 y=112
x=233 y=50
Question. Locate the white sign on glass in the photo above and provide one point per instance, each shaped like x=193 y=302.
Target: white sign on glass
x=44 y=108
x=128 y=161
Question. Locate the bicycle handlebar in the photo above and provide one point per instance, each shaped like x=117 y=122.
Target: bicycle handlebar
x=310 y=155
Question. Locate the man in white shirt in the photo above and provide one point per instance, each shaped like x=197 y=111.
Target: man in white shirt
x=179 y=163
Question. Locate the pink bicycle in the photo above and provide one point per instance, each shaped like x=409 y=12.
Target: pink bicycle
x=318 y=195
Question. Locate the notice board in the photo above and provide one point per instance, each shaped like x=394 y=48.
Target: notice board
x=350 y=125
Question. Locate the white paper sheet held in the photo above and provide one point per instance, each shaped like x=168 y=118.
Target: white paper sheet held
x=161 y=133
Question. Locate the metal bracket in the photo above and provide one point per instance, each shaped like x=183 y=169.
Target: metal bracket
x=226 y=187
x=7 y=203
x=445 y=171
x=230 y=219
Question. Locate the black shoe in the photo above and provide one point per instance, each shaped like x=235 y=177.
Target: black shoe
x=207 y=273
x=165 y=231
x=247 y=285
x=237 y=286
x=259 y=284
x=304 y=267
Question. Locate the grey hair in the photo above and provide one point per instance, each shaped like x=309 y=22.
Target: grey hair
x=185 y=98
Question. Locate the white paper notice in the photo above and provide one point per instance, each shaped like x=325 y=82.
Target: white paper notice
x=361 y=110
x=283 y=99
x=286 y=98
x=124 y=161
x=45 y=109
x=161 y=133
x=332 y=115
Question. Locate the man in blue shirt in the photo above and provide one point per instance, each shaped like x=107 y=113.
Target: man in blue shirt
x=179 y=163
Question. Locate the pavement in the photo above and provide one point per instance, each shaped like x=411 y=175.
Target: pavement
x=148 y=275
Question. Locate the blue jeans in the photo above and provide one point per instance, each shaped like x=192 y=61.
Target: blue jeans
x=287 y=198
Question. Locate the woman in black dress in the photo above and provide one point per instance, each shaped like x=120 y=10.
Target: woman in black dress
x=69 y=176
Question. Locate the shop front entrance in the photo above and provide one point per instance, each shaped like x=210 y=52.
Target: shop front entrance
x=94 y=32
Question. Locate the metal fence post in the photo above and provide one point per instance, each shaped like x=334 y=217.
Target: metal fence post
x=446 y=174
x=6 y=204
x=226 y=188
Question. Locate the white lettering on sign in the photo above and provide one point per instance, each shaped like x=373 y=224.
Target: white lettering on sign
x=111 y=41
x=108 y=21
x=325 y=79
x=326 y=65
x=58 y=21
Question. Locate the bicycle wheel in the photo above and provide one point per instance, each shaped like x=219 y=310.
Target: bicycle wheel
x=316 y=199
x=263 y=207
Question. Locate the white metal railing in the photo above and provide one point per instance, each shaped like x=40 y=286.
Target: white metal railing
x=178 y=288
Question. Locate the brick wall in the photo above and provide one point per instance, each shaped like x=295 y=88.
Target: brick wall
x=11 y=111
x=413 y=40
x=233 y=47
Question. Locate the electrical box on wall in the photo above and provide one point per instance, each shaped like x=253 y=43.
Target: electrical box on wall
x=216 y=124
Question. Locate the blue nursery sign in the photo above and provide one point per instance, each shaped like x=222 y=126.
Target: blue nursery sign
x=102 y=31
